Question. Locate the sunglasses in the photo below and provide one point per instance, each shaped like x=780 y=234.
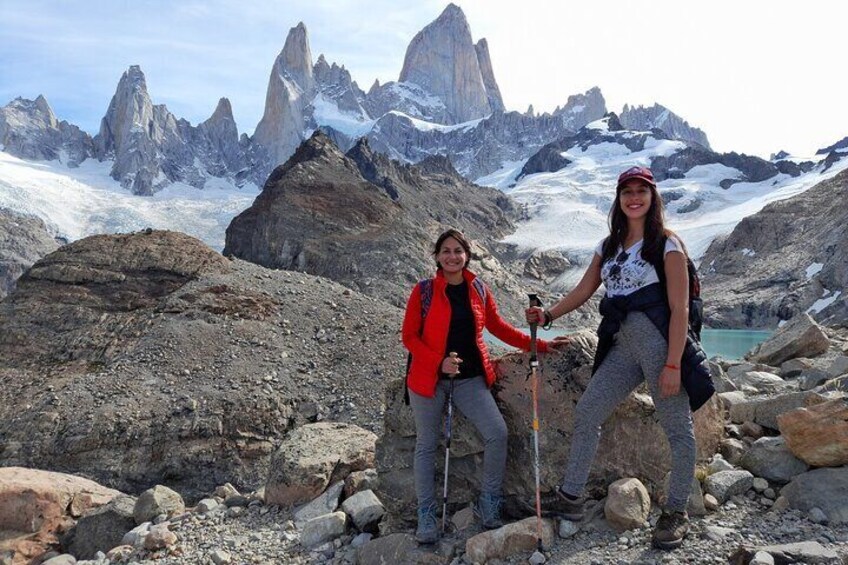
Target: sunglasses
x=616 y=269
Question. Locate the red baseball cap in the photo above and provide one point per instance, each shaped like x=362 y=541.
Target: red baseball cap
x=643 y=174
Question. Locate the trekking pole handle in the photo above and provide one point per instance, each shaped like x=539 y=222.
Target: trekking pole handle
x=534 y=301
x=454 y=355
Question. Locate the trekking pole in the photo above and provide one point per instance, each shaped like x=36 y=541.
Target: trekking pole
x=534 y=364
x=447 y=448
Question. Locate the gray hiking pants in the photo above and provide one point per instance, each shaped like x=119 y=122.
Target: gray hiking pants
x=639 y=354
x=474 y=399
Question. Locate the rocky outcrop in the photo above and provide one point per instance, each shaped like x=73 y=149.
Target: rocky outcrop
x=818 y=434
x=581 y=109
x=640 y=118
x=23 y=241
x=299 y=472
x=751 y=169
x=797 y=250
x=443 y=61
x=632 y=443
x=148 y=359
x=340 y=216
x=493 y=93
x=30 y=130
x=38 y=507
x=151 y=148
x=290 y=89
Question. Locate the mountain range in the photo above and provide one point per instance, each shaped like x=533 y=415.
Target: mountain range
x=147 y=168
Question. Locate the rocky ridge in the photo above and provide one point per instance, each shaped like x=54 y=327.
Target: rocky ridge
x=767 y=271
x=149 y=358
x=23 y=241
x=369 y=222
x=659 y=117
x=465 y=117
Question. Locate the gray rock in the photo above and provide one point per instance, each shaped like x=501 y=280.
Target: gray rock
x=155 y=501
x=838 y=367
x=802 y=552
x=326 y=503
x=102 y=529
x=794 y=367
x=811 y=378
x=365 y=509
x=733 y=449
x=801 y=337
x=762 y=558
x=30 y=130
x=135 y=537
x=760 y=485
x=567 y=529
x=300 y=473
x=825 y=488
x=322 y=529
x=818 y=516
x=442 y=60
x=64 y=559
x=23 y=241
x=220 y=557
x=764 y=411
x=770 y=458
x=361 y=539
x=760 y=381
x=724 y=484
x=207 y=505
x=640 y=118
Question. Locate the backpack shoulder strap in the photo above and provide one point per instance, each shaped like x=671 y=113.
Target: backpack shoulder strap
x=425 y=287
x=480 y=287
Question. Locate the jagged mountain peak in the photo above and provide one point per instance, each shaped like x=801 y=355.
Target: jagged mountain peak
x=644 y=118
x=438 y=164
x=223 y=111
x=296 y=57
x=443 y=60
x=316 y=152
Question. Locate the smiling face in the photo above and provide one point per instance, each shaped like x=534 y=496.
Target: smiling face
x=452 y=256
x=635 y=199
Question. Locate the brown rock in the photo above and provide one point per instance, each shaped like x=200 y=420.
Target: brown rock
x=300 y=472
x=518 y=537
x=818 y=434
x=627 y=504
x=160 y=537
x=36 y=507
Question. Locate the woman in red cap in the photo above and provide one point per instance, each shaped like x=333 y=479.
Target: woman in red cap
x=643 y=337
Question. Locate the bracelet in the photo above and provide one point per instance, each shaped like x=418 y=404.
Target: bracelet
x=548 y=320
x=670 y=366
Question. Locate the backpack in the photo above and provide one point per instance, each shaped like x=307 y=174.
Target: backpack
x=696 y=304
x=425 y=287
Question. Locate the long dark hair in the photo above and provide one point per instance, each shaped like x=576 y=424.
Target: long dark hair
x=655 y=230
x=459 y=237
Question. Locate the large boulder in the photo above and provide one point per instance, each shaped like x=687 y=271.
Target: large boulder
x=627 y=504
x=765 y=410
x=770 y=459
x=632 y=443
x=517 y=537
x=800 y=552
x=157 y=501
x=801 y=337
x=300 y=471
x=818 y=434
x=38 y=507
x=825 y=488
x=101 y=529
x=23 y=241
x=149 y=358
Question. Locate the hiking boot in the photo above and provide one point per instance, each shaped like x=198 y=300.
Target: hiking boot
x=557 y=503
x=428 y=528
x=488 y=510
x=671 y=528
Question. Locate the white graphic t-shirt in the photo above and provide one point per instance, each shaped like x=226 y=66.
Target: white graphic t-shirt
x=627 y=271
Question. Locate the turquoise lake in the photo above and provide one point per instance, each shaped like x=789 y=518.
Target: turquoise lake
x=729 y=344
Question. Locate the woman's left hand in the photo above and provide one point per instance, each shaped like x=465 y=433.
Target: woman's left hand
x=669 y=383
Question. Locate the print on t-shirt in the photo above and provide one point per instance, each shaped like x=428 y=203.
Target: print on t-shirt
x=627 y=271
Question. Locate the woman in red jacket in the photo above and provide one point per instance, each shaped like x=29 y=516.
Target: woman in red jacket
x=460 y=307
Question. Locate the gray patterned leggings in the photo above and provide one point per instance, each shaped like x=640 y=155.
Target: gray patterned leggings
x=474 y=399
x=639 y=354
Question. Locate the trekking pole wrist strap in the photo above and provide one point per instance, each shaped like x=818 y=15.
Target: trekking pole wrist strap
x=548 y=320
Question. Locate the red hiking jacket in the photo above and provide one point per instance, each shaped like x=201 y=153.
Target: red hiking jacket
x=428 y=345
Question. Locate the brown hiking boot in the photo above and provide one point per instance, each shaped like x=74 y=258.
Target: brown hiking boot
x=671 y=528
x=556 y=503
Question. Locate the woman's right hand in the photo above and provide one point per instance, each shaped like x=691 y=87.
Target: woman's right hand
x=450 y=365
x=535 y=315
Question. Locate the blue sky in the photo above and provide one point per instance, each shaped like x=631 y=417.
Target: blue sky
x=756 y=76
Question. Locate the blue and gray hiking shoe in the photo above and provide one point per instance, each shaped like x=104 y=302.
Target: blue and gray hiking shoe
x=556 y=503
x=488 y=510
x=428 y=528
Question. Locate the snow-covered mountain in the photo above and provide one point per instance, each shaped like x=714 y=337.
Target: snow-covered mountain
x=567 y=205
